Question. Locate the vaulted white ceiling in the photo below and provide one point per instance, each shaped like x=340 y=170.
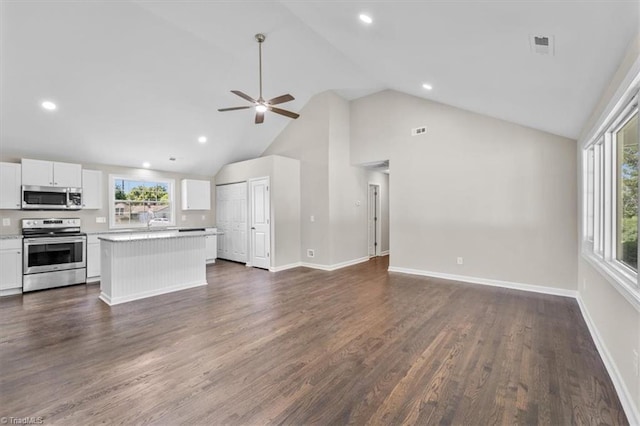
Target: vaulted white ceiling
x=140 y=81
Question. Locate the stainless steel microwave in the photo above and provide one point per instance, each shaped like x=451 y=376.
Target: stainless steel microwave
x=51 y=198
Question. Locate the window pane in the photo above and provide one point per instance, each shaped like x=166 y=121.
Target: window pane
x=589 y=195
x=627 y=195
x=138 y=203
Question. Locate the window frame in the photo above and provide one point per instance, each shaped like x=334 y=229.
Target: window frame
x=601 y=250
x=112 y=192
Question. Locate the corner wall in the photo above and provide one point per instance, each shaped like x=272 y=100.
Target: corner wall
x=284 y=178
x=499 y=195
x=307 y=139
x=613 y=320
x=333 y=191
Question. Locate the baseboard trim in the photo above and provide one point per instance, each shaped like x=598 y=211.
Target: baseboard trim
x=335 y=265
x=633 y=415
x=11 y=291
x=124 y=299
x=490 y=282
x=384 y=253
x=285 y=267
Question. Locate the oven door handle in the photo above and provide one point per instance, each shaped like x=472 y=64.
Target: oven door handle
x=46 y=240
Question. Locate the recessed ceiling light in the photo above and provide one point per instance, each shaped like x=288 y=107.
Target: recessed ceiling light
x=427 y=86
x=48 y=105
x=202 y=139
x=146 y=165
x=366 y=18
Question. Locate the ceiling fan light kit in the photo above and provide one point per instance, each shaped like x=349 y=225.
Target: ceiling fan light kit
x=262 y=106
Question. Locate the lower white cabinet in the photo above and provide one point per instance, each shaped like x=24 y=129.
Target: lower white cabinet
x=10 y=266
x=93 y=258
x=212 y=246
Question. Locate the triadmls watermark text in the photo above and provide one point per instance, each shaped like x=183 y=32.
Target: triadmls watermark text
x=21 y=420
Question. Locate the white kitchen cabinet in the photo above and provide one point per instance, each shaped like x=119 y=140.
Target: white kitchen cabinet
x=211 y=246
x=196 y=194
x=10 y=266
x=10 y=190
x=93 y=258
x=50 y=173
x=91 y=189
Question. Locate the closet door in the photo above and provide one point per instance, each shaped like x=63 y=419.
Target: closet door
x=231 y=217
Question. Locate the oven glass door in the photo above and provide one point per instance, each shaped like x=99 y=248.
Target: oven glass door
x=54 y=254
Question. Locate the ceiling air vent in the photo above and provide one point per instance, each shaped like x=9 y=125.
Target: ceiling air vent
x=542 y=44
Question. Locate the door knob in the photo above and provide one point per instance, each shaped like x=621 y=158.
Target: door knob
x=253 y=228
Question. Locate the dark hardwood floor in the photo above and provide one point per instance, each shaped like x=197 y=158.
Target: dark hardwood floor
x=354 y=346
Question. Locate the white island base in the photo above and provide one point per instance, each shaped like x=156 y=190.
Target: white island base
x=144 y=265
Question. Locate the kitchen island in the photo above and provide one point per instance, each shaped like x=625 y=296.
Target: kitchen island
x=145 y=264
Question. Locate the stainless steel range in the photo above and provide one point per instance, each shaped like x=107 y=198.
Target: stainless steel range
x=55 y=253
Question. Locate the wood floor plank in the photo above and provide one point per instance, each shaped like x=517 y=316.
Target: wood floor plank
x=354 y=346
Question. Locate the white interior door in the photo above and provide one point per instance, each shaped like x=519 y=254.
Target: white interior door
x=231 y=220
x=259 y=200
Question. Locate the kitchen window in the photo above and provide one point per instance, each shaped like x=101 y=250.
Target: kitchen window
x=610 y=200
x=141 y=203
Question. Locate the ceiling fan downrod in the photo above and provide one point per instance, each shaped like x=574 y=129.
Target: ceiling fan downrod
x=260 y=38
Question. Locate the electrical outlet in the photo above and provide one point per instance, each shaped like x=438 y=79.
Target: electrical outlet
x=184 y=217
x=311 y=253
x=460 y=261
x=6 y=221
x=636 y=365
x=312 y=218
x=101 y=219
x=204 y=217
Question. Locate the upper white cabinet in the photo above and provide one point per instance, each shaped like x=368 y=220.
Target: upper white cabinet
x=196 y=194
x=91 y=189
x=10 y=178
x=49 y=173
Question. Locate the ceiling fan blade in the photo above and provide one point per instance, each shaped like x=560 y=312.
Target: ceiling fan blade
x=233 y=108
x=280 y=99
x=244 y=96
x=284 y=112
x=259 y=117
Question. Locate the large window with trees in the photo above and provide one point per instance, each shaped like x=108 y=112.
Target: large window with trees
x=610 y=195
x=141 y=203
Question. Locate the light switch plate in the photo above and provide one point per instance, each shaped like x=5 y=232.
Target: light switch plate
x=101 y=219
x=184 y=217
x=6 y=221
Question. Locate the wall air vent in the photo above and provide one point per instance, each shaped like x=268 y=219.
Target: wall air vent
x=542 y=44
x=418 y=131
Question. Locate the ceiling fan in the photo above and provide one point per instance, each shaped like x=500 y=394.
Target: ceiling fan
x=260 y=104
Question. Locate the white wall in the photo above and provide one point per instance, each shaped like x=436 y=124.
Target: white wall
x=499 y=195
x=348 y=187
x=615 y=321
x=307 y=139
x=284 y=177
x=192 y=218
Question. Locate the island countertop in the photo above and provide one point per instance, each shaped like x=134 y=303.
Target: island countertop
x=146 y=235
